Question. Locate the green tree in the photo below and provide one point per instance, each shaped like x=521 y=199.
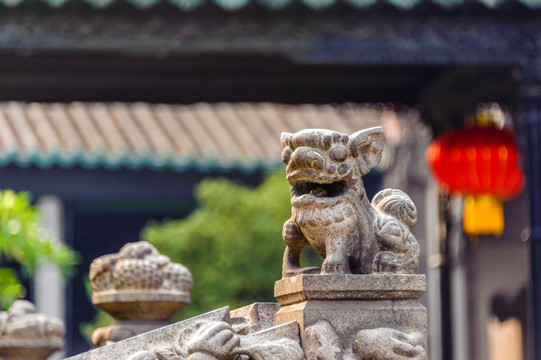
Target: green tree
x=24 y=241
x=231 y=243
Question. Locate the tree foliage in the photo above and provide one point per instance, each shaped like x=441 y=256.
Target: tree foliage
x=24 y=241
x=231 y=243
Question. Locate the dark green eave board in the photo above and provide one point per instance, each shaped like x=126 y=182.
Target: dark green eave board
x=135 y=162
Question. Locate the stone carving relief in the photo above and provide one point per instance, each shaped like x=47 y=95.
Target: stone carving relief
x=216 y=340
x=323 y=343
x=387 y=344
x=331 y=211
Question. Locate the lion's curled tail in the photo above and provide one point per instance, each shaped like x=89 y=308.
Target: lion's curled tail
x=397 y=215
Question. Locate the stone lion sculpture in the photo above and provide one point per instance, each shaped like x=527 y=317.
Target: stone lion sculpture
x=331 y=211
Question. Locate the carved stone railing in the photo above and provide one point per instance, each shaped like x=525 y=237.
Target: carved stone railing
x=28 y=335
x=361 y=304
x=208 y=336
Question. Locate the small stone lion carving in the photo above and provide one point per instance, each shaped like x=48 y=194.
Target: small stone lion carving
x=331 y=212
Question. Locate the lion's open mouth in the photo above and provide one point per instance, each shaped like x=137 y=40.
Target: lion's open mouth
x=332 y=189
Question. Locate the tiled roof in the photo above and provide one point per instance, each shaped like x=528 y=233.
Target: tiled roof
x=159 y=136
x=279 y=4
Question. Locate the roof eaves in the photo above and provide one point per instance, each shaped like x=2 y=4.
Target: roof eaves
x=134 y=162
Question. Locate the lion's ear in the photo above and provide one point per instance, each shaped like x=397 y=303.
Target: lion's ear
x=366 y=145
x=285 y=139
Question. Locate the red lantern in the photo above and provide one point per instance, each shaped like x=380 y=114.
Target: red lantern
x=481 y=163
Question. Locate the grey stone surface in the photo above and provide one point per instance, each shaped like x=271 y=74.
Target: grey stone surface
x=123 y=329
x=140 y=288
x=349 y=287
x=26 y=334
x=331 y=211
x=255 y=317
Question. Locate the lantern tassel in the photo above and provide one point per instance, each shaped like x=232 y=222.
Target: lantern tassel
x=483 y=215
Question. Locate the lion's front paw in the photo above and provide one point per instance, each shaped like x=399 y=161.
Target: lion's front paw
x=292 y=235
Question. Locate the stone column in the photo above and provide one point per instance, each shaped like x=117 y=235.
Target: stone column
x=28 y=335
x=140 y=288
x=49 y=290
x=48 y=287
x=459 y=282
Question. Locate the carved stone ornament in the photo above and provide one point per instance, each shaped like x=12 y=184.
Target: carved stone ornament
x=26 y=334
x=362 y=303
x=140 y=288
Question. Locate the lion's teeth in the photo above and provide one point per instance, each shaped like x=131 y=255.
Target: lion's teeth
x=319 y=192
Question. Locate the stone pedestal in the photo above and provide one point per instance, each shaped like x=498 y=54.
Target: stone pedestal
x=136 y=312
x=141 y=304
x=351 y=303
x=29 y=349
